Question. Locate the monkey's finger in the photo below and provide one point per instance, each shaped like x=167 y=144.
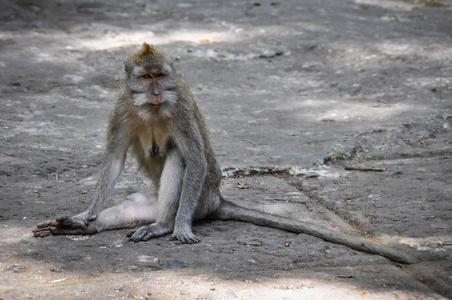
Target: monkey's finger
x=187 y=238
x=61 y=219
x=65 y=231
x=42 y=225
x=136 y=237
x=68 y=223
x=149 y=236
x=37 y=230
x=54 y=229
x=130 y=232
x=41 y=232
x=142 y=234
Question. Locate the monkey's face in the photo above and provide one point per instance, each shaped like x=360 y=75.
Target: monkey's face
x=153 y=89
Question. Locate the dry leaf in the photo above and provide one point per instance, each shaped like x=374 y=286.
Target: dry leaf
x=59 y=280
x=240 y=185
x=208 y=41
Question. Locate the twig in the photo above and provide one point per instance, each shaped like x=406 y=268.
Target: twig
x=366 y=169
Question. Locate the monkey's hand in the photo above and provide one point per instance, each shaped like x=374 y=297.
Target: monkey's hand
x=185 y=236
x=147 y=232
x=64 y=225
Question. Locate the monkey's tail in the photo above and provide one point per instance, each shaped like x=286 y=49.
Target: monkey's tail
x=230 y=211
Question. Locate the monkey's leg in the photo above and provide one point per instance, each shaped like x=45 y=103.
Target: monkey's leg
x=128 y=214
x=125 y=215
x=168 y=199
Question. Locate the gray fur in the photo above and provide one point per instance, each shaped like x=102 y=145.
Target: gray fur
x=185 y=170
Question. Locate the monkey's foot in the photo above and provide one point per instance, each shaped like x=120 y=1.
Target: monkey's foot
x=63 y=226
x=147 y=232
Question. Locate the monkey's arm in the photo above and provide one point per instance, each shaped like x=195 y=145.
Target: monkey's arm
x=191 y=147
x=118 y=140
x=111 y=169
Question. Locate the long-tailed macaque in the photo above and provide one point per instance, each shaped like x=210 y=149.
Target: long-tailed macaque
x=156 y=115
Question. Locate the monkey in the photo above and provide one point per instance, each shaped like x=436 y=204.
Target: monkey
x=157 y=117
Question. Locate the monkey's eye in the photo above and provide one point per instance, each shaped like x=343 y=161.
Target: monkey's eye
x=159 y=75
x=147 y=76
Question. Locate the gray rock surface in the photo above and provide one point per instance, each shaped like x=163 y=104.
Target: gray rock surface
x=336 y=112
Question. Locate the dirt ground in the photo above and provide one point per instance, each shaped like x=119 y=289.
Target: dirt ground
x=301 y=97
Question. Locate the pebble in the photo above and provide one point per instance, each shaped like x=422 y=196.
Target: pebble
x=312 y=175
x=15 y=269
x=254 y=243
x=149 y=280
x=174 y=264
x=273 y=242
x=397 y=174
x=439 y=225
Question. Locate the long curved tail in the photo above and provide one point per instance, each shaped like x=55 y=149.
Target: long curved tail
x=230 y=211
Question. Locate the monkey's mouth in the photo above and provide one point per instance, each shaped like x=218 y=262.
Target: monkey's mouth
x=155 y=105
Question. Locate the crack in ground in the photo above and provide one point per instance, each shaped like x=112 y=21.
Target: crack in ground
x=286 y=172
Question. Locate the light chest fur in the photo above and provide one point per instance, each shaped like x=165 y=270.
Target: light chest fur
x=153 y=139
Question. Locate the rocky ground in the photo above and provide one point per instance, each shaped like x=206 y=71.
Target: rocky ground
x=302 y=99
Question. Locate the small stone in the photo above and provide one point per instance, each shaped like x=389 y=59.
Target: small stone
x=58 y=269
x=174 y=264
x=250 y=261
x=328 y=120
x=149 y=280
x=439 y=225
x=133 y=268
x=397 y=174
x=254 y=243
x=15 y=269
x=312 y=175
x=273 y=243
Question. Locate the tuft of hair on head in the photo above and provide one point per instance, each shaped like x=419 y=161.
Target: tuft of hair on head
x=146 y=54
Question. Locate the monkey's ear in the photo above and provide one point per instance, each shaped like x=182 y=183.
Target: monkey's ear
x=128 y=66
x=172 y=61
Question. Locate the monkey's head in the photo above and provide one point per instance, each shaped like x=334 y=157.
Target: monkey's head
x=151 y=80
